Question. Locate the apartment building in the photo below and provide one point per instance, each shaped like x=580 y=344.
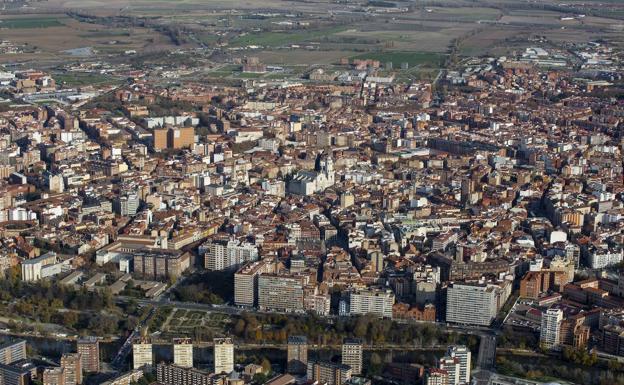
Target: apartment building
x=72 y=366
x=53 y=376
x=373 y=301
x=12 y=351
x=324 y=372
x=297 y=355
x=246 y=281
x=223 y=355
x=352 y=355
x=462 y=355
x=183 y=352
x=173 y=137
x=167 y=374
x=280 y=293
x=471 y=304
x=142 y=355
x=550 y=331
x=224 y=254
x=158 y=264
x=89 y=350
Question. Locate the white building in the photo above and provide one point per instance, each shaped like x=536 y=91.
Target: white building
x=371 y=301
x=352 y=355
x=601 y=258
x=452 y=367
x=183 y=352
x=142 y=355
x=310 y=182
x=221 y=255
x=223 y=355
x=463 y=357
x=44 y=266
x=471 y=304
x=550 y=330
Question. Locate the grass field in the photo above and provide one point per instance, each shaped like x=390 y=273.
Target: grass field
x=82 y=79
x=412 y=58
x=276 y=39
x=30 y=22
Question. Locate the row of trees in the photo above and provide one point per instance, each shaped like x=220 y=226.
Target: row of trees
x=275 y=328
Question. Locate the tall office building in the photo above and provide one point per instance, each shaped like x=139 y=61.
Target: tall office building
x=297 y=361
x=352 y=355
x=328 y=373
x=463 y=356
x=89 y=349
x=13 y=351
x=142 y=355
x=550 y=330
x=223 y=355
x=471 y=304
x=183 y=352
x=72 y=366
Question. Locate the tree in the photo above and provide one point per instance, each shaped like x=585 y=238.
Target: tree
x=266 y=366
x=70 y=319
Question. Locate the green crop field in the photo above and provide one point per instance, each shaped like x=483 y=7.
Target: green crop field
x=27 y=22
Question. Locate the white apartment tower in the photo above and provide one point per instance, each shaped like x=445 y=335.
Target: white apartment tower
x=183 y=352
x=463 y=356
x=142 y=355
x=352 y=355
x=223 y=355
x=551 y=325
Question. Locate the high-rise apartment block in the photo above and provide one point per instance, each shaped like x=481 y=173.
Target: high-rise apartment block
x=53 y=376
x=183 y=352
x=463 y=356
x=352 y=355
x=173 y=137
x=13 y=351
x=72 y=366
x=550 y=328
x=223 y=355
x=142 y=355
x=246 y=282
x=297 y=361
x=472 y=304
x=371 y=301
x=89 y=350
x=223 y=254
x=280 y=292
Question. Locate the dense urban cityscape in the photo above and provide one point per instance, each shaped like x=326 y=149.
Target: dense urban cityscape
x=203 y=192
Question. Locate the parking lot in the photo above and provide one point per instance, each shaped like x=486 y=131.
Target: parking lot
x=524 y=315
